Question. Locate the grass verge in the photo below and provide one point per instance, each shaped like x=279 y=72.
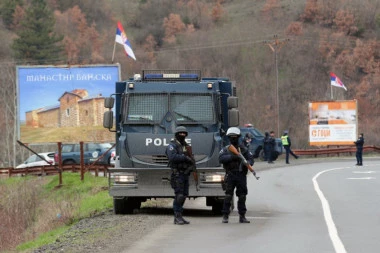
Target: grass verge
x=35 y=211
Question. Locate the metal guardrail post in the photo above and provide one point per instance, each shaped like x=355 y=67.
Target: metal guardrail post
x=81 y=161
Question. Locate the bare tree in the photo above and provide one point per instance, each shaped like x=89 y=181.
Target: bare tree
x=8 y=102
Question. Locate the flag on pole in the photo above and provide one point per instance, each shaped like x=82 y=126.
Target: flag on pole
x=121 y=38
x=335 y=81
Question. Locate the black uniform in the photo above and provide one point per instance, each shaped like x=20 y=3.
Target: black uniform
x=359 y=150
x=179 y=163
x=236 y=177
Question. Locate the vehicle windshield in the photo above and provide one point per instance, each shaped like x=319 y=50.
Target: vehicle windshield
x=186 y=108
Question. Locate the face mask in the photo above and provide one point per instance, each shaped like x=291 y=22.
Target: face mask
x=234 y=140
x=181 y=138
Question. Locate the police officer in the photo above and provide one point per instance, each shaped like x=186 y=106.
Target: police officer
x=286 y=143
x=236 y=175
x=247 y=140
x=271 y=146
x=359 y=150
x=179 y=164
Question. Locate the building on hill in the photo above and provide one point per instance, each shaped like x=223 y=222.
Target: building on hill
x=75 y=109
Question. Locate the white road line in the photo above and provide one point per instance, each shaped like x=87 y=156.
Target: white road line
x=364 y=172
x=364 y=178
x=335 y=239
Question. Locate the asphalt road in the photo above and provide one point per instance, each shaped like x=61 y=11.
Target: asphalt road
x=328 y=206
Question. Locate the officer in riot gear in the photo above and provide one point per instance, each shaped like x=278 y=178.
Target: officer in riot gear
x=179 y=164
x=236 y=175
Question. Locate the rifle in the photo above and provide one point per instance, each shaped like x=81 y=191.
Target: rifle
x=234 y=151
x=193 y=168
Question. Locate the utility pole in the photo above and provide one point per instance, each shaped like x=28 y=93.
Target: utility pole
x=276 y=44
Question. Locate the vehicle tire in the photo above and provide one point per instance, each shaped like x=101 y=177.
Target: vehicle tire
x=262 y=155
x=217 y=207
x=125 y=205
x=275 y=156
x=68 y=162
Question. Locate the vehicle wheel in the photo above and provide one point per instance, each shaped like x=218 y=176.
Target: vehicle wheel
x=68 y=162
x=275 y=156
x=217 y=207
x=125 y=205
x=262 y=155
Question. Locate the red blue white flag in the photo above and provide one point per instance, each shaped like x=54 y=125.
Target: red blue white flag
x=121 y=38
x=335 y=81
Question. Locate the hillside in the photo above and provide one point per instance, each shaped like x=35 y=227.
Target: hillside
x=230 y=39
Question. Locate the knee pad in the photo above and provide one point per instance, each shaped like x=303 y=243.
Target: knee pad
x=228 y=198
x=242 y=198
x=180 y=198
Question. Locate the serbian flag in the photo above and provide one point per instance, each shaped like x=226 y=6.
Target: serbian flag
x=335 y=81
x=121 y=38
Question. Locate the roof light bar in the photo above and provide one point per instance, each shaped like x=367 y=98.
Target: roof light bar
x=171 y=75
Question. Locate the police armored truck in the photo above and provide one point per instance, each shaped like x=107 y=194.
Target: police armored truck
x=148 y=108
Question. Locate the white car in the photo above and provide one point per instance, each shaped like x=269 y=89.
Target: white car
x=34 y=160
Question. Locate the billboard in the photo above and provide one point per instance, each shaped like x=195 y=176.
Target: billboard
x=64 y=103
x=333 y=123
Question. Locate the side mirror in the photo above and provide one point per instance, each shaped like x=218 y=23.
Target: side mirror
x=108 y=119
x=109 y=102
x=233 y=117
x=232 y=102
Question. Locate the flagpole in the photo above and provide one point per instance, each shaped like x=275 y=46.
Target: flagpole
x=331 y=92
x=113 y=54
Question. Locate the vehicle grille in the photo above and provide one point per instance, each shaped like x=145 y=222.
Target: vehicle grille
x=161 y=159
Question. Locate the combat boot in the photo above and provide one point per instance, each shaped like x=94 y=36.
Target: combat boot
x=225 y=218
x=242 y=219
x=185 y=221
x=178 y=219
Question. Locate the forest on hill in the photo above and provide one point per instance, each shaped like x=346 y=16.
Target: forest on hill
x=247 y=41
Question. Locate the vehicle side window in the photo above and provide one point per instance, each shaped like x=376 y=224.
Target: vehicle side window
x=94 y=147
x=38 y=159
x=67 y=148
x=77 y=148
x=31 y=159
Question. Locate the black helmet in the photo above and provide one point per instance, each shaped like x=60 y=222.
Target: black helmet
x=248 y=136
x=181 y=129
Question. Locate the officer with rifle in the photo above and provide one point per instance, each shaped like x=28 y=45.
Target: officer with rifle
x=236 y=160
x=182 y=163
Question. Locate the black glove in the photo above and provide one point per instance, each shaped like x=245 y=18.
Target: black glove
x=189 y=160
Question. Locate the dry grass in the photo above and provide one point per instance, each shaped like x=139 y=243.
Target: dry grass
x=65 y=134
x=30 y=207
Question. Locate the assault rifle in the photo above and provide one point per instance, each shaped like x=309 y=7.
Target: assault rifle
x=234 y=151
x=193 y=168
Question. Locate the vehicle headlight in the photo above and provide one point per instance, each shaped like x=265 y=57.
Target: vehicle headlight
x=124 y=178
x=213 y=177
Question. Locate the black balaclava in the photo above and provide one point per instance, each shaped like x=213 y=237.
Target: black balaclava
x=234 y=140
x=180 y=138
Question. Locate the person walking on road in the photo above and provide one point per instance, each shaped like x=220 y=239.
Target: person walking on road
x=236 y=175
x=359 y=150
x=286 y=143
x=179 y=164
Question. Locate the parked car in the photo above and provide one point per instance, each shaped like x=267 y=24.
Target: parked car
x=257 y=142
x=35 y=160
x=91 y=152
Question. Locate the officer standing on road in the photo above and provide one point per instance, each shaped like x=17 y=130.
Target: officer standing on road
x=271 y=143
x=359 y=150
x=266 y=146
x=179 y=163
x=236 y=175
x=247 y=140
x=287 y=143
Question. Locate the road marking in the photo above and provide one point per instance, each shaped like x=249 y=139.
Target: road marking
x=333 y=232
x=359 y=178
x=364 y=172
